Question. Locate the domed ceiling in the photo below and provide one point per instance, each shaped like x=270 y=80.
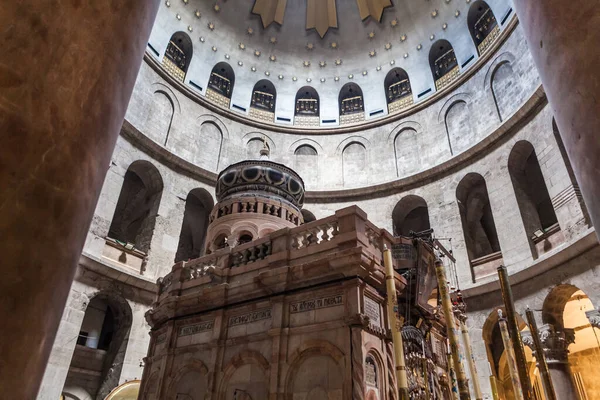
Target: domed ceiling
x=321 y=43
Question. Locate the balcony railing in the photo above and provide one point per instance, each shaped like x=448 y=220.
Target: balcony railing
x=318 y=240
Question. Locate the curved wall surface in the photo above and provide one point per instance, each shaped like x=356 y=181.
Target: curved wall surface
x=451 y=153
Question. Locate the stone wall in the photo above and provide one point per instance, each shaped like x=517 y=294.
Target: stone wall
x=481 y=120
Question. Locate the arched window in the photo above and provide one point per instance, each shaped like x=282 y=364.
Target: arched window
x=178 y=55
x=482 y=25
x=478 y=226
x=306 y=163
x=245 y=237
x=443 y=64
x=533 y=198
x=351 y=103
x=198 y=206
x=398 y=92
x=137 y=207
x=220 y=84
x=307 y=108
x=263 y=101
x=410 y=215
x=101 y=342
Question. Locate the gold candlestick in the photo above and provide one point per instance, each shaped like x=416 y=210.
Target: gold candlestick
x=515 y=333
x=540 y=356
x=392 y=311
x=510 y=357
x=463 y=384
x=470 y=360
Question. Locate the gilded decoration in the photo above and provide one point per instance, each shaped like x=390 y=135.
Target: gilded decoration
x=321 y=15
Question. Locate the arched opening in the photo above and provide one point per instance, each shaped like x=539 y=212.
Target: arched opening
x=221 y=241
x=101 y=346
x=306 y=163
x=262 y=105
x=178 y=55
x=398 y=92
x=372 y=378
x=351 y=104
x=355 y=165
x=572 y=340
x=307 y=216
x=247 y=382
x=137 y=207
x=534 y=201
x=316 y=377
x=191 y=385
x=245 y=237
x=198 y=206
x=498 y=361
x=307 y=107
x=443 y=64
x=220 y=84
x=478 y=225
x=410 y=215
x=483 y=26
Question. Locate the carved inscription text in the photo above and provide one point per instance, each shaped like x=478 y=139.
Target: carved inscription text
x=315 y=304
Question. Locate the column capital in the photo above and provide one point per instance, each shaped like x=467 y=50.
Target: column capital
x=594 y=317
x=556 y=342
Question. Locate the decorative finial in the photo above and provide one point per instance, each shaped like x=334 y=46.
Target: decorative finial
x=264 y=152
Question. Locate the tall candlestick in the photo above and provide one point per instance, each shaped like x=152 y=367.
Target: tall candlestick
x=395 y=325
x=510 y=357
x=515 y=333
x=463 y=384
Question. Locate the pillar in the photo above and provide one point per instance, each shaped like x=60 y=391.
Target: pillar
x=555 y=344
x=563 y=38
x=65 y=81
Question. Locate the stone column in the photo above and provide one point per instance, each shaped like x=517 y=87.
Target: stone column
x=65 y=81
x=563 y=38
x=555 y=344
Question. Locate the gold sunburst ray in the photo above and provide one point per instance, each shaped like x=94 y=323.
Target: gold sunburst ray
x=372 y=8
x=321 y=15
x=270 y=11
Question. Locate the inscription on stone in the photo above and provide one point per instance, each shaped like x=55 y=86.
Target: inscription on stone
x=401 y=251
x=250 y=317
x=373 y=311
x=315 y=304
x=196 y=328
x=370 y=372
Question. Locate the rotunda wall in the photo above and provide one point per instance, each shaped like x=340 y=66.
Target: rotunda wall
x=444 y=129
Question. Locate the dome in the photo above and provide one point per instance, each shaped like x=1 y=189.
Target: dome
x=248 y=178
x=259 y=58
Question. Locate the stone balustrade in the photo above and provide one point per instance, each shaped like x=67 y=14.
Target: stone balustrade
x=347 y=229
x=257 y=205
